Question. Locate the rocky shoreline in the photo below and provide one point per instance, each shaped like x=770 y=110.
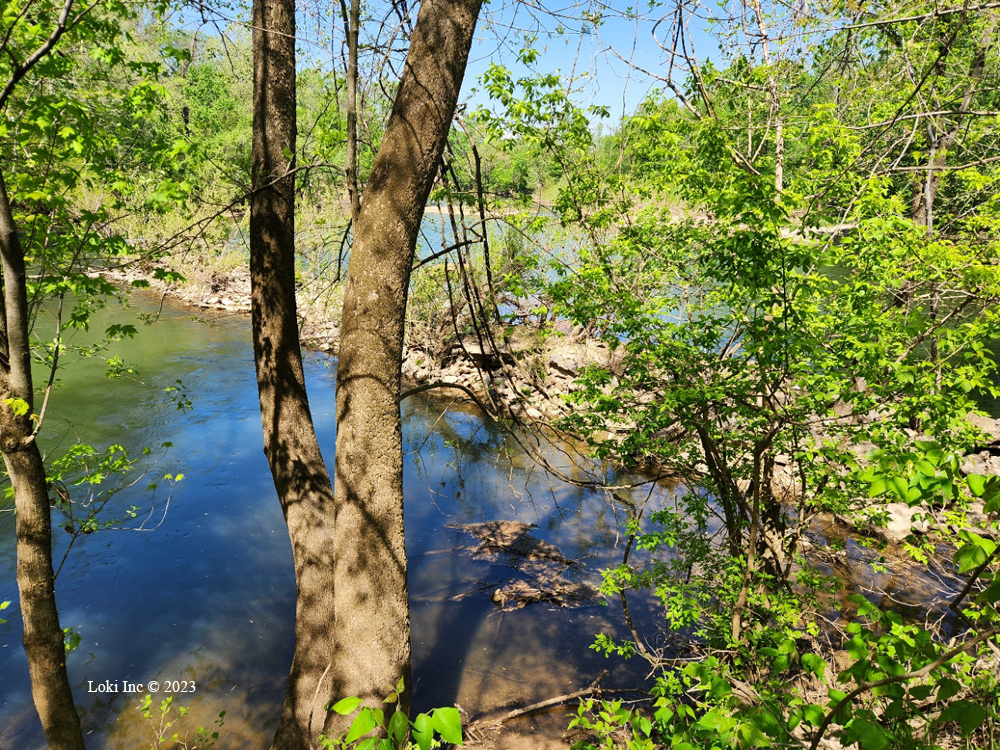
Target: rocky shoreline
x=527 y=376
x=524 y=378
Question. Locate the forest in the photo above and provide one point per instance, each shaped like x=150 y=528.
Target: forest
x=728 y=271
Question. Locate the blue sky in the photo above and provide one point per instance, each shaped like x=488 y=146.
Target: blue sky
x=592 y=58
x=609 y=81
x=501 y=32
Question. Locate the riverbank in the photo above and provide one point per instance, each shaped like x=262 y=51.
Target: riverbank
x=528 y=375
x=520 y=347
x=525 y=376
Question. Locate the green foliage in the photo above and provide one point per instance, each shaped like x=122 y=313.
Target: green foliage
x=784 y=369
x=370 y=731
x=85 y=482
x=609 y=722
x=71 y=638
x=160 y=722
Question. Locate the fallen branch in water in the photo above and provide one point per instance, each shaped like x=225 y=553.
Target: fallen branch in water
x=555 y=701
x=594 y=688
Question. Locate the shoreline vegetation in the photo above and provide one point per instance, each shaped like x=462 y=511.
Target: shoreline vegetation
x=775 y=281
x=542 y=370
x=534 y=373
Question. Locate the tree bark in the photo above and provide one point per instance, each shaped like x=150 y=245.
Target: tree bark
x=373 y=623
x=352 y=22
x=774 y=100
x=43 y=635
x=300 y=475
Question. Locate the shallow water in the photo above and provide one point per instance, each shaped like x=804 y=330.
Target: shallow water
x=206 y=593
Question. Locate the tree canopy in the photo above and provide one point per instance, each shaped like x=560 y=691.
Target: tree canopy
x=788 y=252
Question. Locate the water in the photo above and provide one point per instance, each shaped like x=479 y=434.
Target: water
x=206 y=593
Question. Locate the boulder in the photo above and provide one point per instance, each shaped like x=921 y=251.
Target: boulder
x=568 y=359
x=987 y=424
x=900 y=522
x=983 y=462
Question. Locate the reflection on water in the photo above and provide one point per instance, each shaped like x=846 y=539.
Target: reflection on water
x=209 y=595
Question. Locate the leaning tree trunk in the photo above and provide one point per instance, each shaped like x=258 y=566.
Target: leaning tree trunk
x=43 y=636
x=300 y=476
x=372 y=606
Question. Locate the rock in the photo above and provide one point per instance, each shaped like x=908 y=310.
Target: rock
x=517 y=594
x=987 y=424
x=510 y=538
x=568 y=360
x=863 y=449
x=981 y=463
x=900 y=522
x=977 y=514
x=533 y=413
x=548 y=575
x=843 y=409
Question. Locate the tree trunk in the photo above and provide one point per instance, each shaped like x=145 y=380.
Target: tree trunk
x=300 y=476
x=774 y=100
x=925 y=191
x=43 y=636
x=373 y=623
x=352 y=22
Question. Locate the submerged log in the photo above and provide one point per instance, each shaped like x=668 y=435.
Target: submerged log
x=548 y=575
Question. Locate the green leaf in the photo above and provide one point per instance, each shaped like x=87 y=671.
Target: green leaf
x=992 y=594
x=646 y=725
x=900 y=486
x=870 y=736
x=947 y=688
x=363 y=723
x=397 y=727
x=17 y=405
x=714 y=720
x=423 y=731
x=814 y=663
x=752 y=736
x=448 y=723
x=969 y=715
x=969 y=557
x=857 y=648
x=346 y=706
x=977 y=483
x=813 y=714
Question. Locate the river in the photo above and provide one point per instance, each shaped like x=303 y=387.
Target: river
x=206 y=592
